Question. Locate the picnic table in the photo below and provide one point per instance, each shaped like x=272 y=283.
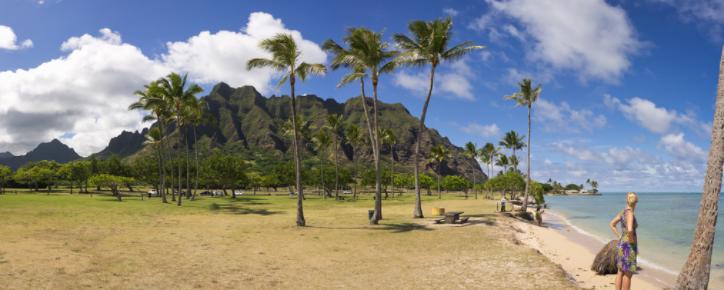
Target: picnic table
x=452 y=217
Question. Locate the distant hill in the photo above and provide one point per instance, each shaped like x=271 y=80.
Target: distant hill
x=53 y=150
x=243 y=119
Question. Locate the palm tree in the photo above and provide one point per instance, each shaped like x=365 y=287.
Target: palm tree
x=334 y=123
x=286 y=59
x=354 y=138
x=514 y=162
x=152 y=99
x=388 y=138
x=438 y=155
x=321 y=142
x=180 y=96
x=502 y=161
x=526 y=97
x=154 y=138
x=513 y=141
x=695 y=273
x=367 y=55
x=471 y=151
x=487 y=154
x=195 y=114
x=429 y=45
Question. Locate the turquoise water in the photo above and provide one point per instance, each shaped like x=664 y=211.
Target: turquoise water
x=666 y=223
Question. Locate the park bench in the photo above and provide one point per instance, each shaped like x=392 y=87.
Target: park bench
x=452 y=217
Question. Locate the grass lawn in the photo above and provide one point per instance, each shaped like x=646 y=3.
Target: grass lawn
x=62 y=241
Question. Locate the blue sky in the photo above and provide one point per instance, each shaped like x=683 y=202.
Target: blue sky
x=628 y=86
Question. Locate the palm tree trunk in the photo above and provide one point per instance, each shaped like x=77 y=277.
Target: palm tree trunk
x=188 y=173
x=162 y=170
x=373 y=142
x=695 y=273
x=439 y=192
x=178 y=126
x=336 y=170
x=196 y=161
x=297 y=161
x=376 y=153
x=527 y=183
x=321 y=176
x=418 y=201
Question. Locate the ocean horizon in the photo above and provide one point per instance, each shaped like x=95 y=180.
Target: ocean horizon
x=666 y=225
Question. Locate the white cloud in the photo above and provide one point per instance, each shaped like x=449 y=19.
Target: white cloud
x=554 y=117
x=450 y=12
x=82 y=96
x=652 y=117
x=222 y=56
x=675 y=144
x=490 y=130
x=586 y=36
x=8 y=39
x=452 y=81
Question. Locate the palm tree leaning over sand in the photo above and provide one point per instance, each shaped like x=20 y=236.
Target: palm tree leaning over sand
x=429 y=45
x=367 y=55
x=695 y=273
x=514 y=142
x=526 y=97
x=438 y=155
x=334 y=124
x=286 y=59
x=472 y=151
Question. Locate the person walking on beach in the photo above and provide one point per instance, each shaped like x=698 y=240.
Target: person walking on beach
x=627 y=243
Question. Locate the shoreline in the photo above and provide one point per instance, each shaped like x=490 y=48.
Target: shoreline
x=574 y=250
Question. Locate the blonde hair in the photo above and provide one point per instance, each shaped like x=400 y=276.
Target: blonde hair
x=632 y=198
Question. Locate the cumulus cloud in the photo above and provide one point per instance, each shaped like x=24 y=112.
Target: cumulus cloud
x=82 y=96
x=675 y=144
x=222 y=56
x=452 y=81
x=9 y=41
x=590 y=37
x=652 y=117
x=554 y=116
x=450 y=12
x=490 y=130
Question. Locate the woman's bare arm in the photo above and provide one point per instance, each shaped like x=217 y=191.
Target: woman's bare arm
x=612 y=224
x=629 y=226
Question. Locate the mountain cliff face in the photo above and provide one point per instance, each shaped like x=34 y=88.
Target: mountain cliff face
x=53 y=150
x=125 y=144
x=244 y=118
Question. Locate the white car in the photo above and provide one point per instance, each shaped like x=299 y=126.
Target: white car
x=238 y=192
x=152 y=192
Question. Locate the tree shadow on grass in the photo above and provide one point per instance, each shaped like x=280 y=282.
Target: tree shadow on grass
x=235 y=209
x=247 y=200
x=403 y=227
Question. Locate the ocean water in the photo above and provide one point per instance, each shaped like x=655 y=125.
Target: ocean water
x=666 y=224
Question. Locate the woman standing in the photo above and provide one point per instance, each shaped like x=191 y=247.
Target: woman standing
x=627 y=246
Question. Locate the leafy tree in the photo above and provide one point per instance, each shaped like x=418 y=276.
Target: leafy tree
x=38 y=173
x=455 y=183
x=227 y=171
x=286 y=59
x=367 y=56
x=426 y=181
x=537 y=189
x=5 y=175
x=112 y=182
x=572 y=186
x=430 y=44
x=438 y=155
x=77 y=172
x=526 y=96
x=507 y=182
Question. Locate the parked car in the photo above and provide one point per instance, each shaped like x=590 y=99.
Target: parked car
x=346 y=192
x=238 y=192
x=152 y=192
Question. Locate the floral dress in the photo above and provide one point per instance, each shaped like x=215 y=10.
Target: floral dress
x=627 y=249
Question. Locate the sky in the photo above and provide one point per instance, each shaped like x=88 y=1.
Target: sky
x=628 y=86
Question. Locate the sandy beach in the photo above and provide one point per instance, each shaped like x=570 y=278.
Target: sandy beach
x=563 y=244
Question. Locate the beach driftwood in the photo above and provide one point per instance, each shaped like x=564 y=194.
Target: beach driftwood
x=605 y=261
